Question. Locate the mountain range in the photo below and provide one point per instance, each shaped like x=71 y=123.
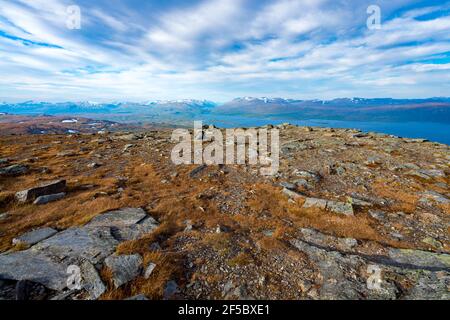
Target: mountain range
x=349 y=109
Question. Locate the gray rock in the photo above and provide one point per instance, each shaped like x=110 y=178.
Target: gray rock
x=66 y=153
x=93 y=165
x=92 y=244
x=149 y=270
x=91 y=281
x=315 y=203
x=378 y=214
x=49 y=198
x=360 y=203
x=287 y=185
x=127 y=137
x=34 y=266
x=430 y=194
x=127 y=147
x=418 y=259
x=170 y=290
x=124 y=268
x=53 y=187
x=340 y=207
x=135 y=231
x=309 y=175
x=119 y=218
x=14 y=170
x=35 y=236
x=302 y=183
x=292 y=194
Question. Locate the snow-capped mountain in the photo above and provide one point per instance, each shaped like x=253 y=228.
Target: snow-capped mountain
x=379 y=109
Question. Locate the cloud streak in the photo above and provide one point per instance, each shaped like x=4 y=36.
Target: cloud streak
x=221 y=49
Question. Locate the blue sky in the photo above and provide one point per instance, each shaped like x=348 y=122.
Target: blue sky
x=138 y=50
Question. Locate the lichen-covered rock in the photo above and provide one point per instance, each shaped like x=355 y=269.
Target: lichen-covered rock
x=92 y=244
x=124 y=268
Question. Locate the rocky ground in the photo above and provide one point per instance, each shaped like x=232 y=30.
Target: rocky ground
x=350 y=215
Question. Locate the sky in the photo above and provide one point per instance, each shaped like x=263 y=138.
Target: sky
x=135 y=50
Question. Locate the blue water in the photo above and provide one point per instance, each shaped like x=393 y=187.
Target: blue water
x=437 y=132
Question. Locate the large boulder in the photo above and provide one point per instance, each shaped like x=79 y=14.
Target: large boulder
x=34 y=266
x=48 y=188
x=91 y=244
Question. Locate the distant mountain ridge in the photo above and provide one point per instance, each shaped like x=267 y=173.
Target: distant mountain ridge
x=354 y=109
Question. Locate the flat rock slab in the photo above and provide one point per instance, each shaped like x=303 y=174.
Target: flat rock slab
x=49 y=198
x=34 y=266
x=118 y=218
x=418 y=259
x=333 y=206
x=35 y=236
x=124 y=268
x=14 y=170
x=92 y=244
x=91 y=281
x=53 y=187
x=135 y=231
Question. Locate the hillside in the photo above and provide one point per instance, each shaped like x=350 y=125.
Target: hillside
x=345 y=206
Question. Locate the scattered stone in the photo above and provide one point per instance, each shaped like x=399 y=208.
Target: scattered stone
x=340 y=207
x=309 y=175
x=127 y=137
x=48 y=188
x=360 y=203
x=93 y=165
x=197 y=170
x=288 y=185
x=14 y=170
x=315 y=203
x=378 y=215
x=49 y=198
x=188 y=226
x=292 y=194
x=334 y=206
x=397 y=235
x=170 y=290
x=35 y=236
x=433 y=242
x=149 y=270
x=127 y=147
x=124 y=268
x=67 y=153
